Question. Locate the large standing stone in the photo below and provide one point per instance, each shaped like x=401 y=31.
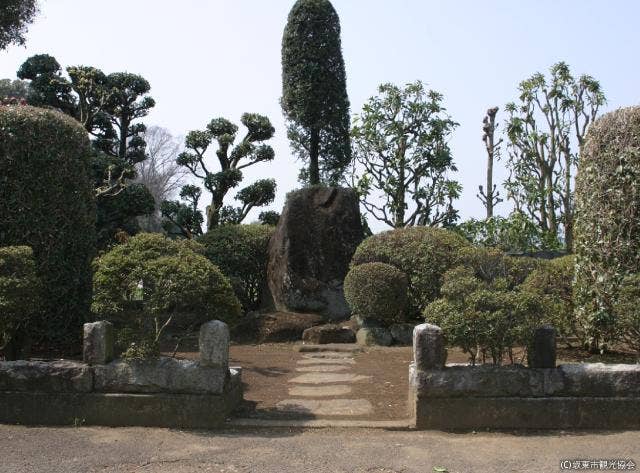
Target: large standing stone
x=214 y=344
x=429 y=351
x=97 y=346
x=542 y=352
x=309 y=254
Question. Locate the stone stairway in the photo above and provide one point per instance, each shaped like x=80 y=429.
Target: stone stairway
x=323 y=385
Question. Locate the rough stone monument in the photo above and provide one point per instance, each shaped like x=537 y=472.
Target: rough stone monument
x=309 y=254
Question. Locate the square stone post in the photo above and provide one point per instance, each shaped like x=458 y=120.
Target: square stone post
x=429 y=351
x=542 y=351
x=214 y=344
x=97 y=344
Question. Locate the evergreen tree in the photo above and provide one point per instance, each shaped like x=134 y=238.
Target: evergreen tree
x=314 y=92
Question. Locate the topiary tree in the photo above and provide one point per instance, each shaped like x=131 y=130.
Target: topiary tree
x=240 y=251
x=20 y=295
x=607 y=230
x=553 y=280
x=46 y=202
x=422 y=253
x=232 y=160
x=314 y=91
x=144 y=284
x=377 y=291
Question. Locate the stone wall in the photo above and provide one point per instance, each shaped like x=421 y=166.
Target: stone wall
x=572 y=396
x=163 y=392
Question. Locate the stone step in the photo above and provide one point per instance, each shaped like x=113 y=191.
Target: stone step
x=322 y=378
x=320 y=391
x=327 y=361
x=328 y=354
x=406 y=424
x=326 y=407
x=322 y=368
x=330 y=347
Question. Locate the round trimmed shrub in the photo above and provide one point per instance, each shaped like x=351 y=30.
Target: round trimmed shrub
x=424 y=254
x=376 y=291
x=607 y=222
x=47 y=203
x=553 y=280
x=241 y=253
x=19 y=293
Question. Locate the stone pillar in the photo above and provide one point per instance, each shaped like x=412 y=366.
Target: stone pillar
x=97 y=346
x=214 y=344
x=429 y=352
x=542 y=351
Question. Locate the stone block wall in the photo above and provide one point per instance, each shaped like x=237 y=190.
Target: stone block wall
x=572 y=396
x=163 y=392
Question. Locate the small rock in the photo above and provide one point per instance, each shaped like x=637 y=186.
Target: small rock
x=330 y=333
x=374 y=336
x=402 y=334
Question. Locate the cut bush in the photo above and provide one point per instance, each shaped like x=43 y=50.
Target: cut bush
x=377 y=291
x=424 y=254
x=607 y=228
x=144 y=284
x=46 y=202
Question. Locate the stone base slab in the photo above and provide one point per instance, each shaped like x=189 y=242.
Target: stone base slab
x=474 y=413
x=196 y=411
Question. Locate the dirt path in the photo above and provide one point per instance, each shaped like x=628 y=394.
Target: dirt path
x=367 y=385
x=145 y=450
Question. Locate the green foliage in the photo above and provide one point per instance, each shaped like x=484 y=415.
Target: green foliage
x=20 y=291
x=241 y=253
x=269 y=217
x=545 y=131
x=150 y=279
x=422 y=253
x=47 y=86
x=607 y=243
x=553 y=281
x=249 y=151
x=516 y=233
x=15 y=15
x=483 y=316
x=377 y=291
x=14 y=89
x=314 y=91
x=46 y=202
x=627 y=311
x=403 y=158
x=183 y=218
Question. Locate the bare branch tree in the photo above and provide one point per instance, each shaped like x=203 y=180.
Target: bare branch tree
x=159 y=172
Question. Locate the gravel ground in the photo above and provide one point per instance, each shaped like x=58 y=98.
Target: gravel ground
x=146 y=450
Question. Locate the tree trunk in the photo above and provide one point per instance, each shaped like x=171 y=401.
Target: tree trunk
x=568 y=207
x=398 y=218
x=314 y=151
x=213 y=213
x=124 y=130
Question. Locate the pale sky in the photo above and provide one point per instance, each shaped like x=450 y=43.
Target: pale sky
x=221 y=58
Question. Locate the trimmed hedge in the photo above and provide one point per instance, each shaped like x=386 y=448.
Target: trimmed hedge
x=424 y=254
x=20 y=288
x=47 y=203
x=151 y=280
x=627 y=311
x=376 y=291
x=241 y=253
x=607 y=222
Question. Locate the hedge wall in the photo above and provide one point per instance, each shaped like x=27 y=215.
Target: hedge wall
x=607 y=228
x=46 y=202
